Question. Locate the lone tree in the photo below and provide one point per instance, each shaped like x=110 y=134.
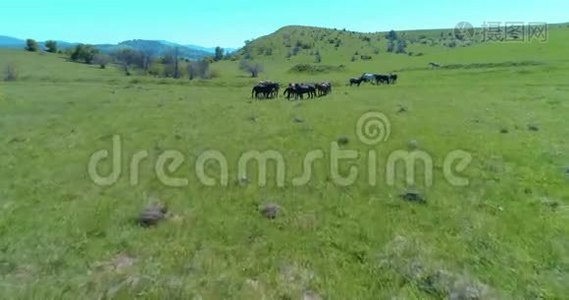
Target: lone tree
x=251 y=67
x=31 y=45
x=126 y=58
x=51 y=46
x=392 y=39
x=392 y=35
x=219 y=52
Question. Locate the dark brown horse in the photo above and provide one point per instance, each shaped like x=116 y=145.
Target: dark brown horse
x=324 y=88
x=381 y=78
x=267 y=89
x=357 y=81
x=299 y=90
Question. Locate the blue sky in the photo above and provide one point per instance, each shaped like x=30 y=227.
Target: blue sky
x=229 y=23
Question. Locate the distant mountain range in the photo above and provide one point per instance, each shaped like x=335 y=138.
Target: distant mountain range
x=159 y=48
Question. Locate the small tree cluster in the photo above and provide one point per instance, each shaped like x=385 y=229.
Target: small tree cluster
x=396 y=44
x=127 y=58
x=84 y=53
x=198 y=69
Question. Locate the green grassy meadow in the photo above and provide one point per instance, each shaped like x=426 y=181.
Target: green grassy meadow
x=64 y=237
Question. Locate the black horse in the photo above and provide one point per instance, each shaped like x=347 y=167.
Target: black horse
x=357 y=81
x=267 y=89
x=324 y=88
x=381 y=78
x=386 y=79
x=392 y=78
x=299 y=90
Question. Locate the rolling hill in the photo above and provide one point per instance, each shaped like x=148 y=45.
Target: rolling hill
x=295 y=45
x=10 y=42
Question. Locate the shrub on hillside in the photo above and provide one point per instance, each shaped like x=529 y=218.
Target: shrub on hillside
x=315 y=69
x=295 y=50
x=10 y=72
x=452 y=44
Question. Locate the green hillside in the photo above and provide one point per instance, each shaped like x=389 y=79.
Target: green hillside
x=505 y=235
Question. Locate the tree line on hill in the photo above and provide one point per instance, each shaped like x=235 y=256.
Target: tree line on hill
x=146 y=61
x=33 y=46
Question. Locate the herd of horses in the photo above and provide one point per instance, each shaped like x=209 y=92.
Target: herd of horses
x=271 y=90
x=377 y=78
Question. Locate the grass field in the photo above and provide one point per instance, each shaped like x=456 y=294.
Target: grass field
x=506 y=233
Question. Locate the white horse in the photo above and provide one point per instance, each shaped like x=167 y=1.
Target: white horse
x=367 y=77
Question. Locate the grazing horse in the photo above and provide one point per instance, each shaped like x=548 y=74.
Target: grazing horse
x=288 y=91
x=355 y=80
x=368 y=77
x=265 y=88
x=381 y=78
x=392 y=78
x=276 y=87
x=299 y=90
x=434 y=65
x=385 y=79
x=324 y=88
